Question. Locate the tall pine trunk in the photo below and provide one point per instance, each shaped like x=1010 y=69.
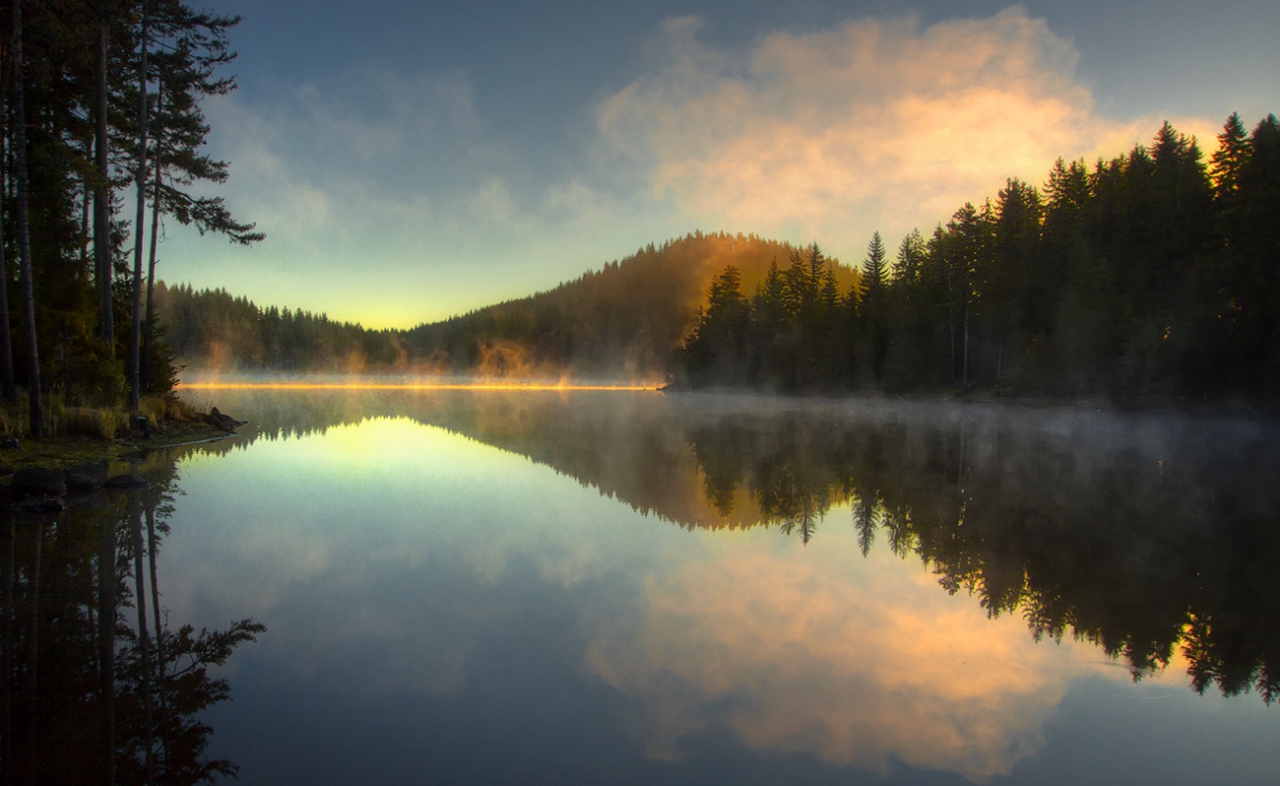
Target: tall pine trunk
x=101 y=193
x=24 y=227
x=8 y=389
x=149 y=327
x=135 y=329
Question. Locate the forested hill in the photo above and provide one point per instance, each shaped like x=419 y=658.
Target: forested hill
x=626 y=319
x=623 y=321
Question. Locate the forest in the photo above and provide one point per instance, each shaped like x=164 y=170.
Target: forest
x=104 y=134
x=1147 y=278
x=213 y=330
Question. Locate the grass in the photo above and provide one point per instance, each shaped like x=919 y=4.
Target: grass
x=74 y=434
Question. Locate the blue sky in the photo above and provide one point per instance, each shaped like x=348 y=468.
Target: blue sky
x=410 y=161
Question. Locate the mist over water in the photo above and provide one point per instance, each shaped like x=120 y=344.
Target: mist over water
x=494 y=586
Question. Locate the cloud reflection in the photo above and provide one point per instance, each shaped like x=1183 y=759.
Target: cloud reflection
x=819 y=651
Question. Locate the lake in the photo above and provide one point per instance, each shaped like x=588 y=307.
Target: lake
x=632 y=587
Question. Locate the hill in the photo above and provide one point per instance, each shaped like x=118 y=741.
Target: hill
x=627 y=318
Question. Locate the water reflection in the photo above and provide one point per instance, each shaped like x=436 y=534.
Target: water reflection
x=98 y=687
x=433 y=599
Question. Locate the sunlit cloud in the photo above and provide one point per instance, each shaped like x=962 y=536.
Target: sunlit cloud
x=875 y=124
x=818 y=650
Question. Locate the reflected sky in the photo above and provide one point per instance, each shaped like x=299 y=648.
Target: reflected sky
x=442 y=610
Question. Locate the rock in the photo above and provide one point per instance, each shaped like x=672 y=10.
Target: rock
x=87 y=474
x=11 y=443
x=126 y=482
x=223 y=421
x=36 y=481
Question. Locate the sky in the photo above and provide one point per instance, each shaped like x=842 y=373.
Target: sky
x=412 y=161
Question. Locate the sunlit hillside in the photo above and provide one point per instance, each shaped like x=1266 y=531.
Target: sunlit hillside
x=628 y=317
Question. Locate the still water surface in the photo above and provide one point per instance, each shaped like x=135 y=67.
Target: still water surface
x=635 y=588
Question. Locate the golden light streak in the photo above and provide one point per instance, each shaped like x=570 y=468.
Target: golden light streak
x=532 y=386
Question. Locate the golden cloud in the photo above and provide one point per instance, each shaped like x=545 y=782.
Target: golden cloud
x=872 y=125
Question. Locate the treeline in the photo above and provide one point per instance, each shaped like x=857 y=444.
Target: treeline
x=103 y=135
x=1148 y=277
x=214 y=330
x=624 y=320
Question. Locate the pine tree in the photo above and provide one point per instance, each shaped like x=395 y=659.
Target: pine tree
x=1229 y=159
x=874 y=272
x=911 y=254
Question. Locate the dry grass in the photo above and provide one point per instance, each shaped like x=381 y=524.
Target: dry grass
x=171 y=408
x=104 y=423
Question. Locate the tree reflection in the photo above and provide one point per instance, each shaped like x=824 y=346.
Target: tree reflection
x=93 y=693
x=1141 y=555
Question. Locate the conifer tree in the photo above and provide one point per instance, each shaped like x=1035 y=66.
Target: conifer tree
x=874 y=272
x=1229 y=159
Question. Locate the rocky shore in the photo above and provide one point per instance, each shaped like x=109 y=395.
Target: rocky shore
x=48 y=475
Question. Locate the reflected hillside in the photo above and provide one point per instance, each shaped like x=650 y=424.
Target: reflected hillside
x=1145 y=534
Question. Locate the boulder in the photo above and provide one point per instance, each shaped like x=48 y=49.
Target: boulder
x=87 y=474
x=220 y=420
x=140 y=424
x=36 y=481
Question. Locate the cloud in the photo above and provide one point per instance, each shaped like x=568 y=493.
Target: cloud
x=871 y=125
